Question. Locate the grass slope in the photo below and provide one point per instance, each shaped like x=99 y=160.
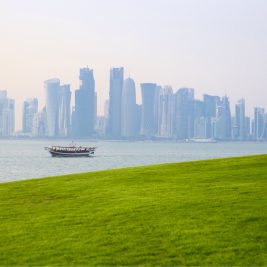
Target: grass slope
x=195 y=213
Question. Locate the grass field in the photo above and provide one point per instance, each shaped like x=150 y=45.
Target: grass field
x=196 y=213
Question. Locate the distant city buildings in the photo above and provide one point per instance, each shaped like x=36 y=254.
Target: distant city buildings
x=7 y=115
x=84 y=116
x=64 y=113
x=40 y=128
x=115 y=101
x=222 y=123
x=129 y=127
x=163 y=114
x=210 y=106
x=52 y=105
x=30 y=108
x=149 y=109
x=184 y=114
x=241 y=132
x=57 y=108
x=259 y=124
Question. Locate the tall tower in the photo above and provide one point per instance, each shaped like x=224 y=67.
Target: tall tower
x=85 y=105
x=200 y=121
x=184 y=113
x=115 y=96
x=64 y=110
x=40 y=124
x=222 y=124
x=149 y=109
x=259 y=124
x=210 y=107
x=128 y=109
x=240 y=120
x=30 y=108
x=7 y=115
x=52 y=89
x=165 y=112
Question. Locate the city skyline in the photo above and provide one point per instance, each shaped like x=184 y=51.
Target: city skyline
x=100 y=105
x=216 y=47
x=165 y=113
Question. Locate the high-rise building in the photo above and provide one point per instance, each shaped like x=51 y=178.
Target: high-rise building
x=30 y=108
x=100 y=126
x=199 y=109
x=85 y=105
x=95 y=112
x=240 y=120
x=222 y=124
x=248 y=128
x=200 y=121
x=184 y=113
x=7 y=115
x=52 y=88
x=234 y=129
x=149 y=109
x=129 y=110
x=138 y=118
x=39 y=128
x=200 y=127
x=115 y=96
x=106 y=109
x=210 y=107
x=64 y=110
x=165 y=112
x=3 y=98
x=259 y=125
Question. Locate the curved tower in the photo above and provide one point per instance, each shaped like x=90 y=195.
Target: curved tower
x=115 y=94
x=128 y=109
x=85 y=105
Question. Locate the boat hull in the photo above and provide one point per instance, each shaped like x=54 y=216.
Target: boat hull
x=71 y=151
x=73 y=155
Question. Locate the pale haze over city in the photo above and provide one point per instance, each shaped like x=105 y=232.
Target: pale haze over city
x=215 y=47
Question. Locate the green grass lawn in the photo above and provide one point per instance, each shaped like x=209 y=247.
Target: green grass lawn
x=196 y=213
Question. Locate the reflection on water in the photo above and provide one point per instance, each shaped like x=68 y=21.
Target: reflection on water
x=21 y=159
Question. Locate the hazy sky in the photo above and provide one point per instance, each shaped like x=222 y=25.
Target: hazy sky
x=214 y=46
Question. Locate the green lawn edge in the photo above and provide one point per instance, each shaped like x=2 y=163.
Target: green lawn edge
x=210 y=212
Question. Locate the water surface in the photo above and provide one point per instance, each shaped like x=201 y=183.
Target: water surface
x=21 y=159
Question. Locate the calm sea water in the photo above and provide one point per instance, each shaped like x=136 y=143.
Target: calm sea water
x=21 y=159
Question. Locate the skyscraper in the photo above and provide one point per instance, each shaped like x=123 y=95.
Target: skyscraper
x=240 y=120
x=210 y=107
x=165 y=112
x=7 y=115
x=129 y=110
x=30 y=108
x=64 y=110
x=106 y=109
x=149 y=109
x=52 y=88
x=115 y=96
x=3 y=98
x=40 y=124
x=184 y=113
x=222 y=124
x=200 y=121
x=85 y=105
x=248 y=128
x=259 y=126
